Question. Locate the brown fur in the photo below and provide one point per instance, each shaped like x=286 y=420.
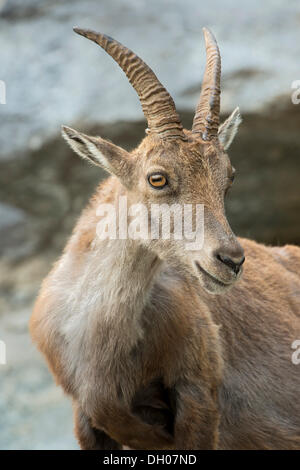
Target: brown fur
x=233 y=388
x=130 y=328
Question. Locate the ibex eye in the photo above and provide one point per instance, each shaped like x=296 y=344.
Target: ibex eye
x=230 y=181
x=158 y=181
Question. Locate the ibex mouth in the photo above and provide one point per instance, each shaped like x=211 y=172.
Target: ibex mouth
x=211 y=278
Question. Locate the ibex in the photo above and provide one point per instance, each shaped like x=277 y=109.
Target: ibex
x=131 y=329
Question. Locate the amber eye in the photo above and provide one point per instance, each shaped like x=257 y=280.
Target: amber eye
x=230 y=182
x=158 y=181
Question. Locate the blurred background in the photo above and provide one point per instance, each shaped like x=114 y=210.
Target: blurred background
x=54 y=77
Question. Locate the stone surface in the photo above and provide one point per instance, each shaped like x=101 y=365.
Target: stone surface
x=34 y=412
x=54 y=76
x=12 y=221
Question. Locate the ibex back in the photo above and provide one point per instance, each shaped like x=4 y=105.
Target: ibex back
x=130 y=327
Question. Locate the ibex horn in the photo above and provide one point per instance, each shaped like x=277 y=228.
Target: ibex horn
x=207 y=116
x=158 y=106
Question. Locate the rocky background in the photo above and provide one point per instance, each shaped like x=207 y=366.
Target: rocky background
x=55 y=77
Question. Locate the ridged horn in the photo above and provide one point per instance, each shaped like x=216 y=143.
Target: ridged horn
x=158 y=105
x=207 y=117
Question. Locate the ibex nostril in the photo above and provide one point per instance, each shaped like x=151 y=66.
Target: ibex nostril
x=234 y=265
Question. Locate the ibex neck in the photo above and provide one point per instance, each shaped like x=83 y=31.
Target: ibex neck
x=125 y=271
x=126 y=275
x=128 y=271
x=108 y=281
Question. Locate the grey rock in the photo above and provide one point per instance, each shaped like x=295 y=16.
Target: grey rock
x=12 y=224
x=55 y=77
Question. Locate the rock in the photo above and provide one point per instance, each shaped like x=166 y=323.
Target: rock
x=12 y=227
x=35 y=414
x=55 y=77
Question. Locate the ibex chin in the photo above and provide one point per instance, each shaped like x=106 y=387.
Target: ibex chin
x=130 y=327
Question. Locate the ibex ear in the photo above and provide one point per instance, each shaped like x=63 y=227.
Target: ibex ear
x=100 y=152
x=229 y=128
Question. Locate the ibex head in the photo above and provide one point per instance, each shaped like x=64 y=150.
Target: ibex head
x=176 y=166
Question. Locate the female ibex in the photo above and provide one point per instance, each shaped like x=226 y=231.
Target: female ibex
x=130 y=327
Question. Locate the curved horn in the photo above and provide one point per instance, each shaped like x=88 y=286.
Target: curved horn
x=158 y=106
x=207 y=116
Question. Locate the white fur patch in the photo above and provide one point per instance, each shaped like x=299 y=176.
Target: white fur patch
x=229 y=128
x=85 y=148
